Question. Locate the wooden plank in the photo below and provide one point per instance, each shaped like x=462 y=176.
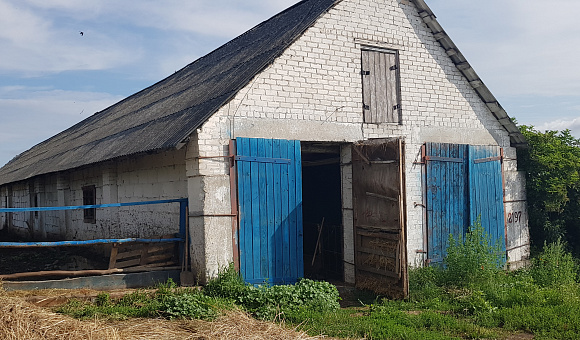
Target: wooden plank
x=262 y=220
x=366 y=85
x=113 y=257
x=246 y=251
x=270 y=211
x=299 y=216
x=379 y=252
x=157 y=258
x=375 y=195
x=392 y=88
x=128 y=263
x=363 y=268
x=292 y=204
x=285 y=185
x=255 y=219
x=379 y=235
x=278 y=214
x=144 y=254
x=383 y=111
x=380 y=228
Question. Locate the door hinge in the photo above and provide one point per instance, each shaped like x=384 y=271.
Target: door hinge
x=394 y=67
x=366 y=107
x=365 y=73
x=397 y=107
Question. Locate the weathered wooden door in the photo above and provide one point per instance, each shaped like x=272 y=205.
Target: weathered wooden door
x=447 y=199
x=464 y=185
x=380 y=86
x=486 y=191
x=270 y=210
x=379 y=217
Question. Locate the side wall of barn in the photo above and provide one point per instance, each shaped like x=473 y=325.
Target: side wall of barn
x=141 y=178
x=313 y=92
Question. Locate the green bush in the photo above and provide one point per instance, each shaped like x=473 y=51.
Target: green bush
x=554 y=266
x=473 y=259
x=269 y=302
x=193 y=305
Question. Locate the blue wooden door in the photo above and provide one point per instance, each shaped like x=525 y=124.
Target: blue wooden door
x=447 y=199
x=270 y=210
x=486 y=191
x=464 y=184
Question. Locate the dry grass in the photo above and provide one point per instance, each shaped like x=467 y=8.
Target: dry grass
x=22 y=320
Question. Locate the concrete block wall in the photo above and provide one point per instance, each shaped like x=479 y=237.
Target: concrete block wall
x=516 y=211
x=141 y=178
x=313 y=93
x=208 y=178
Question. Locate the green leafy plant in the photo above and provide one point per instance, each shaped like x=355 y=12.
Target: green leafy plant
x=269 y=302
x=472 y=259
x=554 y=266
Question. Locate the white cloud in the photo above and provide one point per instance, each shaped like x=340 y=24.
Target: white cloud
x=520 y=46
x=34 y=43
x=562 y=124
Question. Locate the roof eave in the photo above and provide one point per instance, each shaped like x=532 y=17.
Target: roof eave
x=516 y=138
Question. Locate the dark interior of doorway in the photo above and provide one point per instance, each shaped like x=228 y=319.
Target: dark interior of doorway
x=322 y=211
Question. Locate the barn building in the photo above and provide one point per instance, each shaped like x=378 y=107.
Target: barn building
x=340 y=139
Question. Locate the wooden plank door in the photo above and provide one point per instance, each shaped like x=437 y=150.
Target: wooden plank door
x=379 y=217
x=486 y=191
x=380 y=86
x=270 y=210
x=464 y=184
x=447 y=200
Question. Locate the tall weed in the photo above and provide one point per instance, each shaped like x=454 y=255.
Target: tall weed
x=554 y=266
x=473 y=259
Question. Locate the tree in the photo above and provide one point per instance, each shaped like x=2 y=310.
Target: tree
x=552 y=166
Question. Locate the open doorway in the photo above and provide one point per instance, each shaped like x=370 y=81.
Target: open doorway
x=322 y=211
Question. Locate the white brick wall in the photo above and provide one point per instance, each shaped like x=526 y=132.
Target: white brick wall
x=313 y=93
x=145 y=178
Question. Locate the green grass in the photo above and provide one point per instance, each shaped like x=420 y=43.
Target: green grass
x=470 y=297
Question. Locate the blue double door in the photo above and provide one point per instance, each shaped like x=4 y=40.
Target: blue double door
x=464 y=185
x=270 y=235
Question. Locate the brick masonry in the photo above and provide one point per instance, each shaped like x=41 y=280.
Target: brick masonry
x=313 y=93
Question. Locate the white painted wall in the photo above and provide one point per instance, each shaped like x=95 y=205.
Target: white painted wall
x=142 y=178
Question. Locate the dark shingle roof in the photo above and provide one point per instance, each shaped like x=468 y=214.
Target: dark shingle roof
x=164 y=114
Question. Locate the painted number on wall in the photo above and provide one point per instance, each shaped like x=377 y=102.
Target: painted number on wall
x=514 y=217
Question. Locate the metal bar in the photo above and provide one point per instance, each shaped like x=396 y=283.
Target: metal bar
x=2 y=210
x=209 y=157
x=234 y=205
x=488 y=159
x=444 y=159
x=89 y=242
x=372 y=194
x=514 y=248
x=262 y=159
x=515 y=201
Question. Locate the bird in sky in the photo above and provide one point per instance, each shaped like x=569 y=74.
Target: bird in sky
x=82 y=33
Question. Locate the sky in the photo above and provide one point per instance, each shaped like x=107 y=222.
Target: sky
x=52 y=76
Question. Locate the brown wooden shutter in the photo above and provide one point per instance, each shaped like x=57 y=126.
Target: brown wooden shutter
x=380 y=90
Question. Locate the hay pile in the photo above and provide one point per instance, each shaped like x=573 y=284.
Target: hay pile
x=22 y=320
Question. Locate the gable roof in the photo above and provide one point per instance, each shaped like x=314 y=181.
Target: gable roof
x=165 y=114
